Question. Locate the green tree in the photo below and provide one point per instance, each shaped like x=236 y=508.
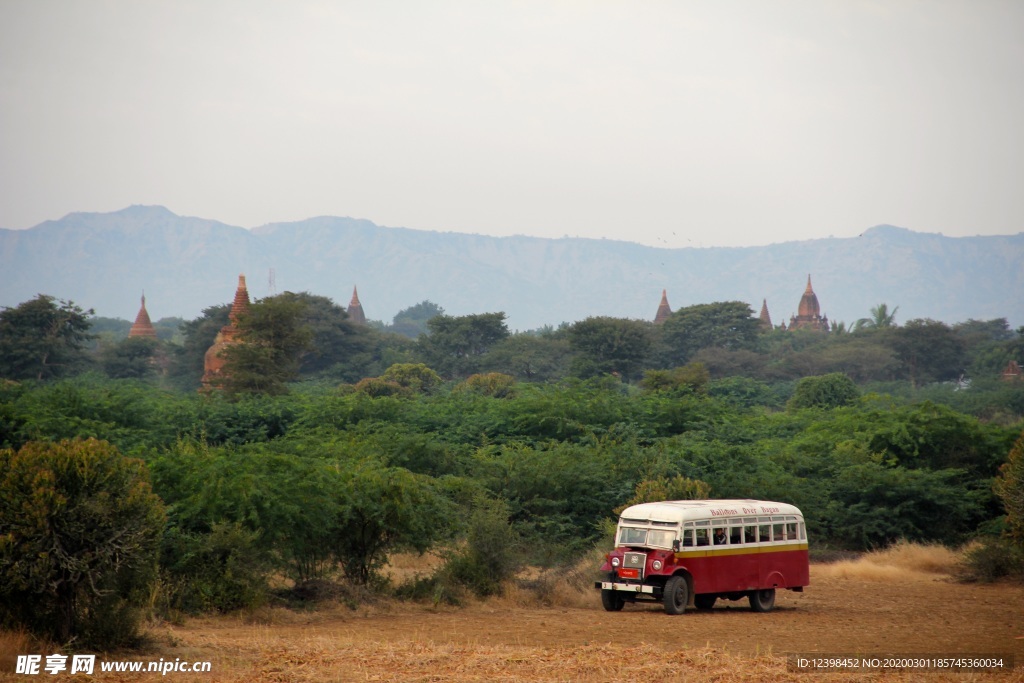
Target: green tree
x=274 y=339
x=728 y=325
x=610 y=346
x=665 y=488
x=387 y=509
x=412 y=322
x=1009 y=486
x=79 y=528
x=455 y=345
x=131 y=358
x=414 y=376
x=881 y=318
x=335 y=342
x=198 y=336
x=929 y=351
x=43 y=338
x=694 y=377
x=531 y=358
x=827 y=391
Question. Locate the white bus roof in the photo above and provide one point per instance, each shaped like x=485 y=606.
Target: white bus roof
x=678 y=511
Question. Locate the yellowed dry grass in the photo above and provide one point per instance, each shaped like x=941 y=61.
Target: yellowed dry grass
x=900 y=561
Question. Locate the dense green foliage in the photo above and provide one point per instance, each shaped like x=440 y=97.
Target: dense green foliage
x=43 y=339
x=79 y=528
x=497 y=449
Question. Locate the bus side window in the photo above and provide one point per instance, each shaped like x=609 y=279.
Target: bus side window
x=778 y=532
x=702 y=537
x=750 y=534
x=735 y=535
x=687 y=537
x=791 y=531
x=803 y=532
x=764 y=533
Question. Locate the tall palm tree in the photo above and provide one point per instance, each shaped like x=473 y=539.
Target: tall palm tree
x=880 y=318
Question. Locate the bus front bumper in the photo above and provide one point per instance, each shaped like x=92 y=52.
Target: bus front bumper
x=624 y=587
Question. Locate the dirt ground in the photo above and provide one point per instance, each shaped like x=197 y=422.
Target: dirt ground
x=510 y=640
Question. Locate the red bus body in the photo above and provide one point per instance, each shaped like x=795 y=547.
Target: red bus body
x=721 y=549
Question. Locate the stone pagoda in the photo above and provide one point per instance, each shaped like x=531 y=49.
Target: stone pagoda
x=664 y=310
x=355 y=309
x=143 y=326
x=808 y=316
x=213 y=361
x=765 y=319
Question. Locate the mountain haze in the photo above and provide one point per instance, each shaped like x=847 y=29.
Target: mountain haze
x=105 y=261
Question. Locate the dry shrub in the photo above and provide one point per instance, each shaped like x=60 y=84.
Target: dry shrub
x=14 y=643
x=900 y=561
x=562 y=586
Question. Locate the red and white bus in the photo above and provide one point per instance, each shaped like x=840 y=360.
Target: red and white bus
x=690 y=553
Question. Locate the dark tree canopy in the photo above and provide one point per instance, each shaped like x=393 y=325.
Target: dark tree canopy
x=455 y=344
x=929 y=351
x=274 y=337
x=412 y=322
x=728 y=325
x=43 y=338
x=606 y=346
x=79 y=529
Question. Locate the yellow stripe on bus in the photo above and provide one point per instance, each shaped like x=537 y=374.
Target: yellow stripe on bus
x=741 y=550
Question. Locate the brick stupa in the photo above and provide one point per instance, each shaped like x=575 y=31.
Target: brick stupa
x=664 y=310
x=765 y=318
x=808 y=316
x=143 y=326
x=355 y=309
x=213 y=361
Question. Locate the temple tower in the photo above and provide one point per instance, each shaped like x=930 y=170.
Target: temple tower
x=809 y=315
x=765 y=318
x=355 y=309
x=213 y=361
x=143 y=327
x=664 y=311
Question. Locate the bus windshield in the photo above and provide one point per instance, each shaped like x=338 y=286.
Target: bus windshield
x=648 y=537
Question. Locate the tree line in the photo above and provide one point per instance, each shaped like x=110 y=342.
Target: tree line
x=490 y=448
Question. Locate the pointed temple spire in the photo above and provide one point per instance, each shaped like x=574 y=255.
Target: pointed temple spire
x=241 y=303
x=808 y=316
x=355 y=309
x=765 y=318
x=143 y=326
x=664 y=310
x=213 y=361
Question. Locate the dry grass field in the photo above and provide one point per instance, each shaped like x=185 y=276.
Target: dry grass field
x=894 y=603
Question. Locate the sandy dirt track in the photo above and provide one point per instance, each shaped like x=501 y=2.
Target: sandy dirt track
x=501 y=640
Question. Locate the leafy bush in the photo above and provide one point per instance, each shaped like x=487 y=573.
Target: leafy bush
x=222 y=570
x=79 y=528
x=827 y=391
x=496 y=384
x=490 y=555
x=992 y=559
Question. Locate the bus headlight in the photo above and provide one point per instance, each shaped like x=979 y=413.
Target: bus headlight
x=656 y=565
x=615 y=562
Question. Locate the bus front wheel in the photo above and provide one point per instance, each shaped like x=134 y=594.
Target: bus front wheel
x=677 y=594
x=612 y=601
x=762 y=600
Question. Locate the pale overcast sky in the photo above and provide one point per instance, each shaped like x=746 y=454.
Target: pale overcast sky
x=677 y=123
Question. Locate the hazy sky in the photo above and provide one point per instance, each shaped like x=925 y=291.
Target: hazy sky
x=669 y=123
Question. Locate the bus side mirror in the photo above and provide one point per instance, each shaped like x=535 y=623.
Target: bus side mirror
x=675 y=546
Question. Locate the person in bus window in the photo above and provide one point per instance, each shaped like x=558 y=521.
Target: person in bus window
x=719 y=536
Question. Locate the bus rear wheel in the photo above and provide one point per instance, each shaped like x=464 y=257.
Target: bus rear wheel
x=762 y=600
x=677 y=594
x=705 y=600
x=612 y=601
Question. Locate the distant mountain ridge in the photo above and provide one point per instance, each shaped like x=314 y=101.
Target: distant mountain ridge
x=105 y=260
